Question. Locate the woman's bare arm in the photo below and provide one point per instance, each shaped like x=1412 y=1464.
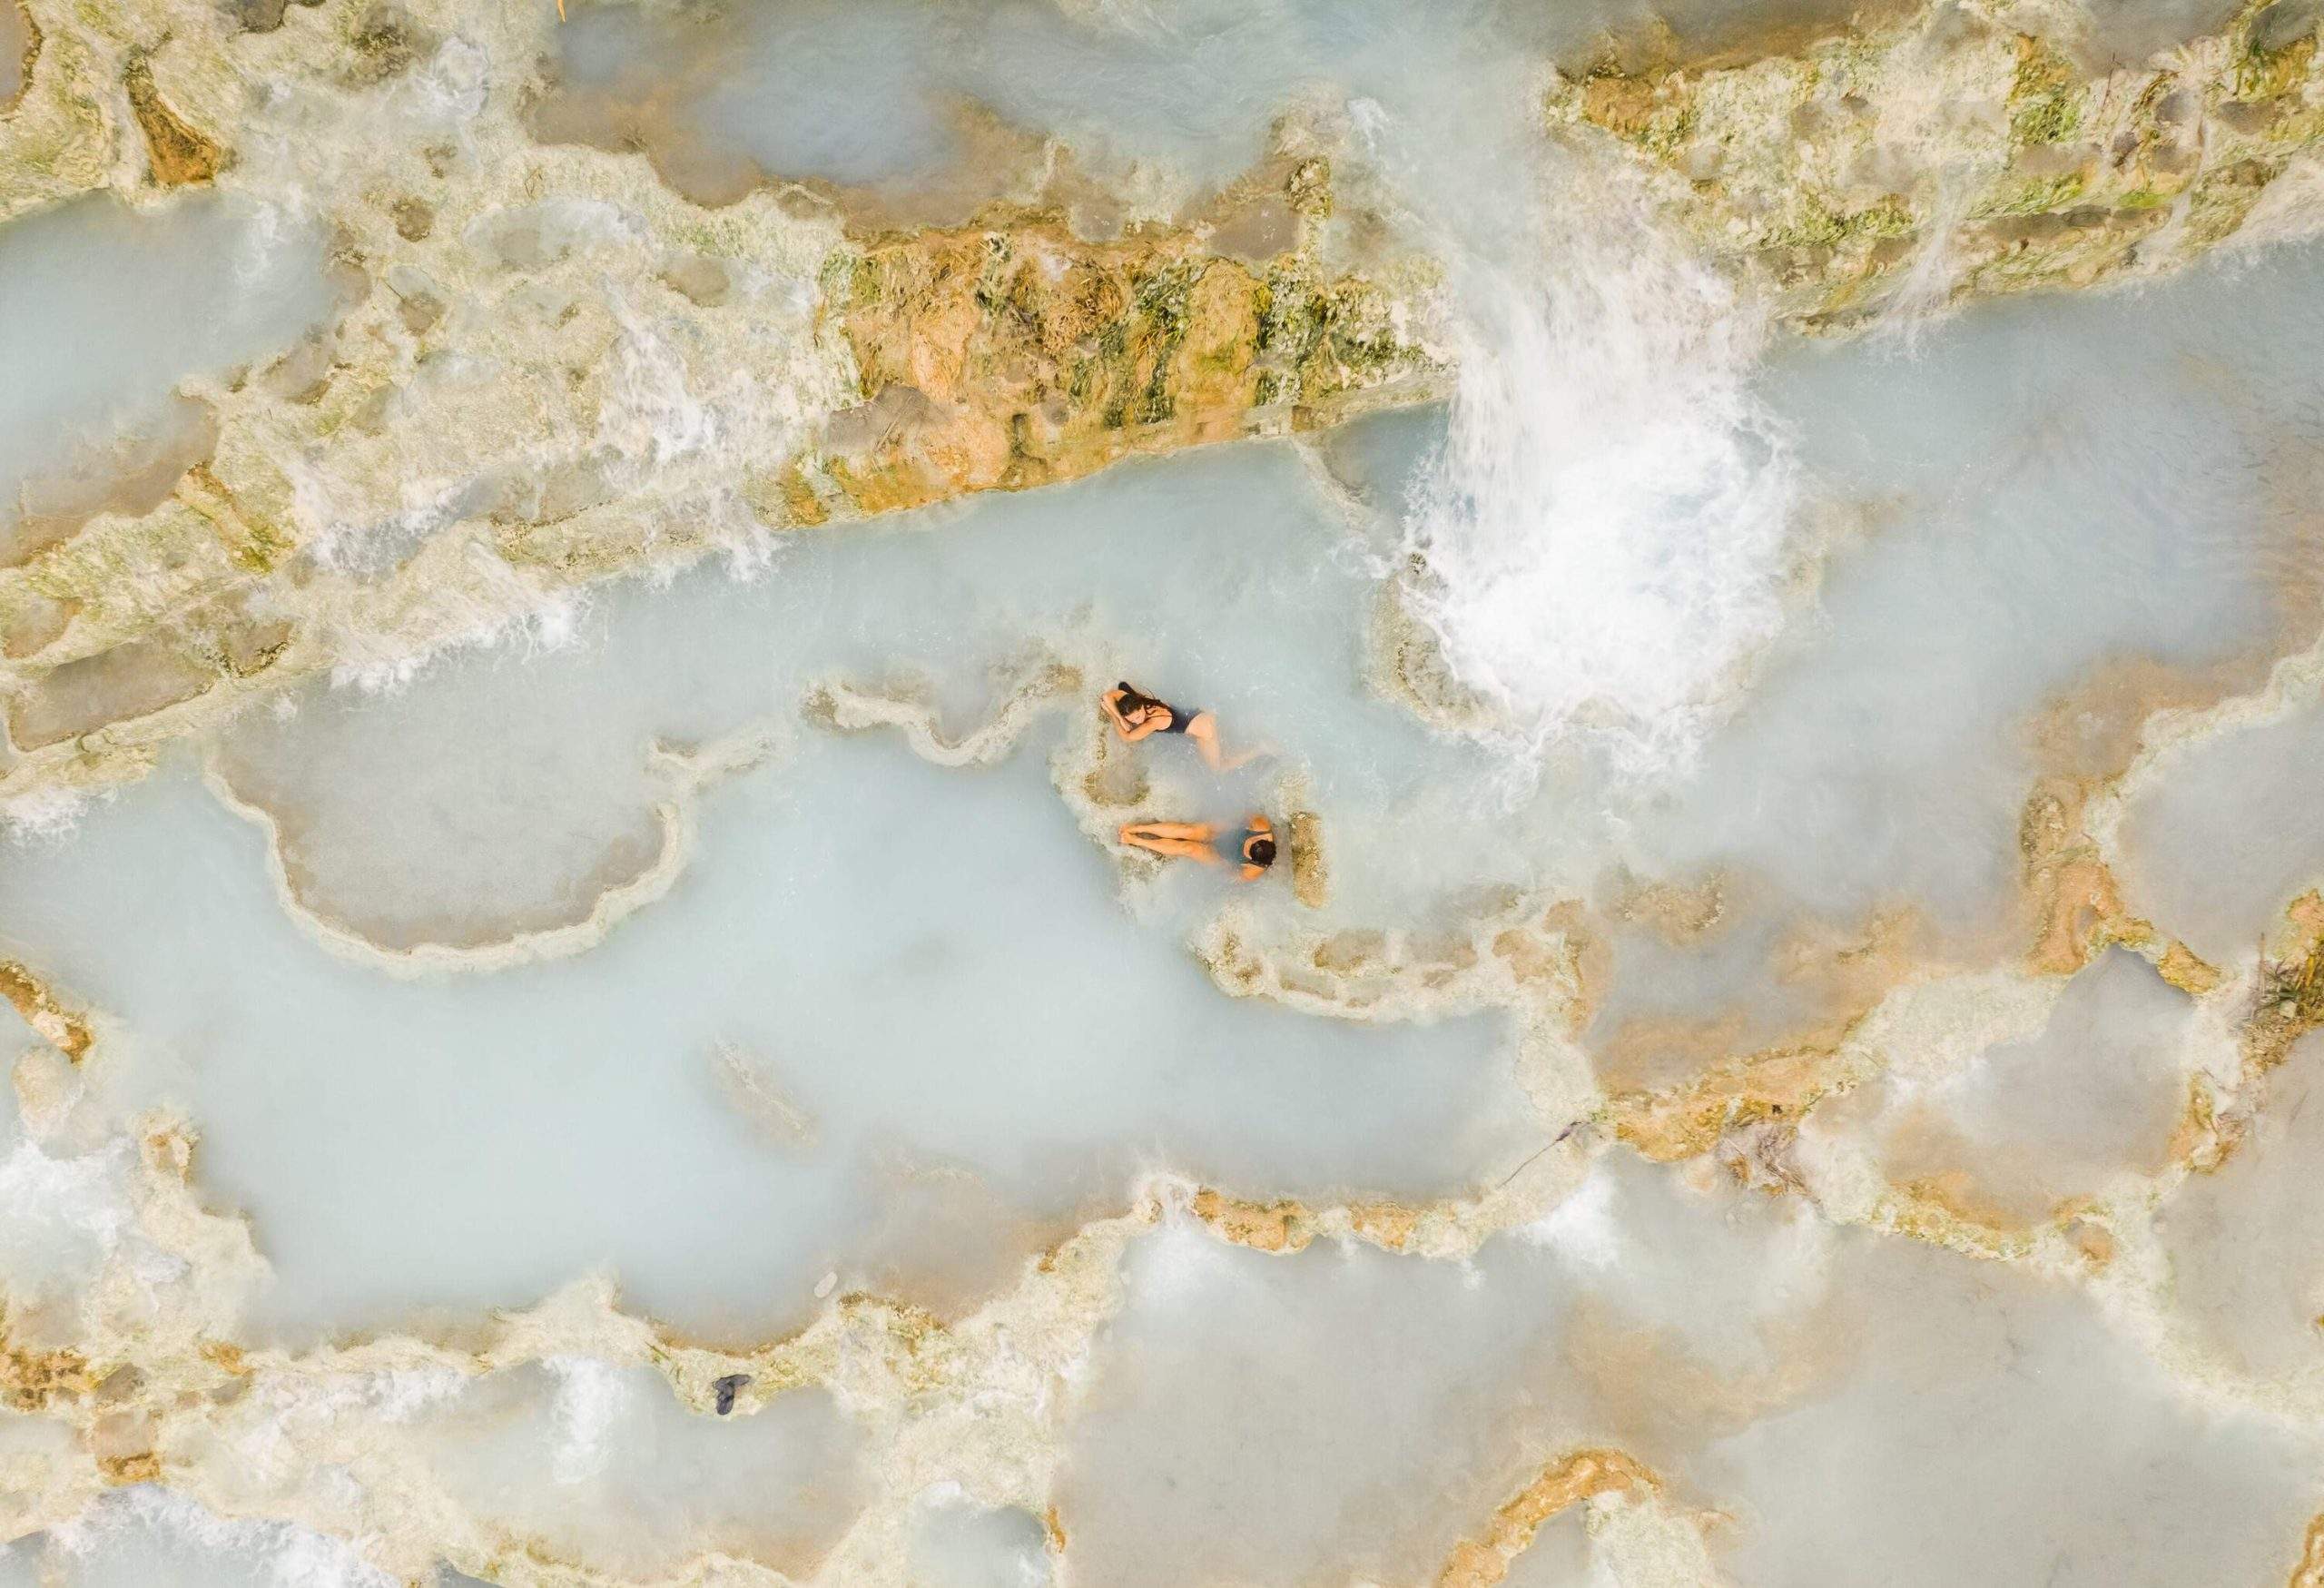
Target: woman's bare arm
x=1145 y=727
x=1112 y=702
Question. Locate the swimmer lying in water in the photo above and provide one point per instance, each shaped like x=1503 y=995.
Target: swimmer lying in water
x=1253 y=848
x=1138 y=716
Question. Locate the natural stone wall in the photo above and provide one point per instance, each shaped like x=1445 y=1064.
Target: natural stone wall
x=1003 y=358
x=546 y=366
x=1953 y=154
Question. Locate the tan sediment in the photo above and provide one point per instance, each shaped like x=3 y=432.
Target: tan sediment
x=31 y=1380
x=2287 y=1002
x=139 y=678
x=1677 y=912
x=1446 y=1227
x=1691 y=1119
x=1511 y=952
x=2291 y=684
x=1311 y=876
x=1568 y=1480
x=1951 y=1211
x=2308 y=1571
x=57 y=1024
x=136 y=477
x=1271 y=1226
x=2183 y=970
x=2069 y=890
x=1835 y=975
x=27 y=61
x=2089 y=740
x=1389 y=1225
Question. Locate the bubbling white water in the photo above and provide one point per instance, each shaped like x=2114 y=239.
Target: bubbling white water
x=1604 y=531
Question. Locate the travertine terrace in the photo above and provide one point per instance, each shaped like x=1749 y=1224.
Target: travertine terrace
x=578 y=1014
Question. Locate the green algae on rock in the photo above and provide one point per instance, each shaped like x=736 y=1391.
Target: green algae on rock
x=544 y=367
x=1947 y=155
x=1012 y=356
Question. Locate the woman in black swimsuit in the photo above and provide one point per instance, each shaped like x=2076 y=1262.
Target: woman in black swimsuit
x=1136 y=715
x=1254 y=848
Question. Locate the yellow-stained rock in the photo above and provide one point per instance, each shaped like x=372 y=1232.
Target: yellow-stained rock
x=1012 y=355
x=179 y=153
x=1266 y=1227
x=1689 y=1120
x=58 y=1026
x=1565 y=1482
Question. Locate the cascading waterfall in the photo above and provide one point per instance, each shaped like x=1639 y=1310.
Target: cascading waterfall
x=1604 y=527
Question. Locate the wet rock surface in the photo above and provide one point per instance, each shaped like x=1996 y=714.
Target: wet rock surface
x=574 y=1015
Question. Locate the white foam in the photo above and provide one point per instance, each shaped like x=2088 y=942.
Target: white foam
x=1583 y=1228
x=59 y=1217
x=144 y=1535
x=1605 y=528
x=46 y=811
x=592 y=1398
x=530 y=623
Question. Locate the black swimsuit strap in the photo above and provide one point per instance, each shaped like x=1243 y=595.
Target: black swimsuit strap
x=1132 y=699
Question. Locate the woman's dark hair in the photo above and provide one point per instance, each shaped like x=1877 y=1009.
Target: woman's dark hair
x=1262 y=851
x=1134 y=697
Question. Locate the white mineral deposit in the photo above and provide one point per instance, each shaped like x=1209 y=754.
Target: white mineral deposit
x=621 y=623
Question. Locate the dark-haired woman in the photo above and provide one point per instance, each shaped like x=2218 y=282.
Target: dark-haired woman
x=1254 y=847
x=1136 y=715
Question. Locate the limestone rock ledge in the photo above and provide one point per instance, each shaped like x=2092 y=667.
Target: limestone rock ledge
x=543 y=366
x=1960 y=152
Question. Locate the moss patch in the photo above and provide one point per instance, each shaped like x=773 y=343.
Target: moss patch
x=179 y=153
x=2044 y=96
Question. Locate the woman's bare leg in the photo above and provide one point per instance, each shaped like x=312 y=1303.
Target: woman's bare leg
x=1204 y=731
x=1200 y=831
x=1176 y=848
